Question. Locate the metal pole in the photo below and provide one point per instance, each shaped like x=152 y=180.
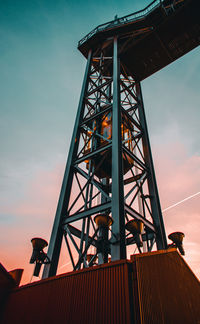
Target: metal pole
x=57 y=231
x=161 y=240
x=118 y=250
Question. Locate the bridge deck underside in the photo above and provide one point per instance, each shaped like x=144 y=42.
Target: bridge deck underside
x=155 y=41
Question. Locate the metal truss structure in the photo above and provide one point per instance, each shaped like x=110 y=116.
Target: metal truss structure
x=109 y=198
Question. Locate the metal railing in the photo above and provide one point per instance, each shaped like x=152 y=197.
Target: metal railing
x=123 y=20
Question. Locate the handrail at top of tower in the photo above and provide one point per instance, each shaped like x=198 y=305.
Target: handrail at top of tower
x=121 y=21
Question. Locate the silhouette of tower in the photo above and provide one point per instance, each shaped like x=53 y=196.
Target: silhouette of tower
x=109 y=198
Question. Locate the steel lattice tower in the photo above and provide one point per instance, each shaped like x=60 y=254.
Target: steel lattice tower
x=109 y=198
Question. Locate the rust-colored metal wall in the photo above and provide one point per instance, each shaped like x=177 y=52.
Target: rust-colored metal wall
x=7 y=283
x=96 y=295
x=168 y=291
x=152 y=288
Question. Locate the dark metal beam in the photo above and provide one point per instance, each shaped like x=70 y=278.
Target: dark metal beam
x=131 y=240
x=57 y=231
x=131 y=119
x=92 y=154
x=88 y=212
x=85 y=251
x=98 y=88
x=70 y=252
x=76 y=232
x=98 y=185
x=136 y=215
x=134 y=178
x=161 y=240
x=135 y=158
x=118 y=251
x=96 y=116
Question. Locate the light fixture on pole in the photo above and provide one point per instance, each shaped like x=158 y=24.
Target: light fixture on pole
x=38 y=257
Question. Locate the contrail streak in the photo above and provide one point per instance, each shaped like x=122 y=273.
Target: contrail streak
x=64 y=265
x=181 y=201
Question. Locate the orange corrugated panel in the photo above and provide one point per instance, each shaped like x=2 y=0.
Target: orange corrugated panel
x=96 y=295
x=168 y=290
x=155 y=288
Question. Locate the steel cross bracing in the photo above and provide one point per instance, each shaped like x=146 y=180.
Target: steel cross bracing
x=109 y=170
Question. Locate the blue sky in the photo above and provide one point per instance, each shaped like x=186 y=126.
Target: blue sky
x=41 y=77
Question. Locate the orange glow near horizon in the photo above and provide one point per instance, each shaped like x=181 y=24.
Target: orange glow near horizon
x=36 y=215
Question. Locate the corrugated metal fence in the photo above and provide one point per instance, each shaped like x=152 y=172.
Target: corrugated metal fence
x=168 y=291
x=96 y=295
x=152 y=288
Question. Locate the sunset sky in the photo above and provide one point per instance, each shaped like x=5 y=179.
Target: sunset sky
x=41 y=77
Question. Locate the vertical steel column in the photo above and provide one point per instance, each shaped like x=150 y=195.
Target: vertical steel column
x=118 y=250
x=161 y=240
x=57 y=231
x=103 y=232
